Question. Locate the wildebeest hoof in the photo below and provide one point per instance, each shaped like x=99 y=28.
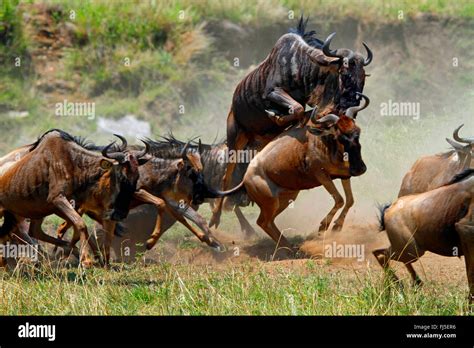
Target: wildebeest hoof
x=217 y=246
x=150 y=243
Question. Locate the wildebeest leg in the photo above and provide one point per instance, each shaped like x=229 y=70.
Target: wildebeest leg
x=383 y=257
x=37 y=232
x=204 y=234
x=346 y=185
x=245 y=226
x=62 y=229
x=266 y=196
x=109 y=227
x=10 y=225
x=21 y=233
x=160 y=204
x=465 y=230
x=295 y=109
x=236 y=140
x=338 y=200
x=416 y=280
x=67 y=212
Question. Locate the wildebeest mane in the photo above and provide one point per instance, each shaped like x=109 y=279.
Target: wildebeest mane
x=170 y=147
x=461 y=176
x=81 y=141
x=310 y=36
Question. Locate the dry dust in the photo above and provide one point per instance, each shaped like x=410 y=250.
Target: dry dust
x=260 y=252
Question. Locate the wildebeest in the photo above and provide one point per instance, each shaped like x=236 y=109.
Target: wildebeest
x=303 y=158
x=430 y=172
x=300 y=70
x=213 y=158
x=170 y=181
x=440 y=221
x=59 y=169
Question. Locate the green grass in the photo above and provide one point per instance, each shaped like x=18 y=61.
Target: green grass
x=249 y=289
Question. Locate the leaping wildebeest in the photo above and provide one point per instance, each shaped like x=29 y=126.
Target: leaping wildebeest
x=300 y=70
x=59 y=169
x=327 y=148
x=440 y=221
x=430 y=172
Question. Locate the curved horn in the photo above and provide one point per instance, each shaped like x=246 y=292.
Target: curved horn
x=118 y=156
x=459 y=139
x=183 y=151
x=328 y=118
x=124 y=142
x=367 y=60
x=353 y=110
x=326 y=50
x=146 y=150
x=458 y=147
x=313 y=115
x=105 y=149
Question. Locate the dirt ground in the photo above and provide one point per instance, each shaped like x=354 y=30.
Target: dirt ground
x=261 y=251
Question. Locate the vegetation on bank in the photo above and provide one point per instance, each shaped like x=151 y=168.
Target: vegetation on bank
x=154 y=59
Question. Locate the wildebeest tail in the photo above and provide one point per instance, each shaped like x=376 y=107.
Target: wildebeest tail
x=220 y=194
x=381 y=216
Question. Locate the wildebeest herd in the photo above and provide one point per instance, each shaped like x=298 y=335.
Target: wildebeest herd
x=298 y=149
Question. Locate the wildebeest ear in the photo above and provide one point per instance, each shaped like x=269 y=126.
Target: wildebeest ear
x=105 y=164
x=320 y=59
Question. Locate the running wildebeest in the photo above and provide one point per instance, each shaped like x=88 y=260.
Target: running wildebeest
x=327 y=148
x=440 y=221
x=59 y=169
x=170 y=181
x=430 y=172
x=300 y=70
x=213 y=157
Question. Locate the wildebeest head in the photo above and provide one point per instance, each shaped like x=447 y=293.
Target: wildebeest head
x=346 y=133
x=195 y=173
x=126 y=177
x=350 y=69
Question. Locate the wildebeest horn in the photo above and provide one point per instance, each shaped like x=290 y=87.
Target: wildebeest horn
x=328 y=118
x=144 y=151
x=326 y=50
x=458 y=147
x=124 y=142
x=314 y=113
x=118 y=156
x=105 y=149
x=459 y=139
x=183 y=151
x=200 y=146
x=353 y=110
x=369 y=55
